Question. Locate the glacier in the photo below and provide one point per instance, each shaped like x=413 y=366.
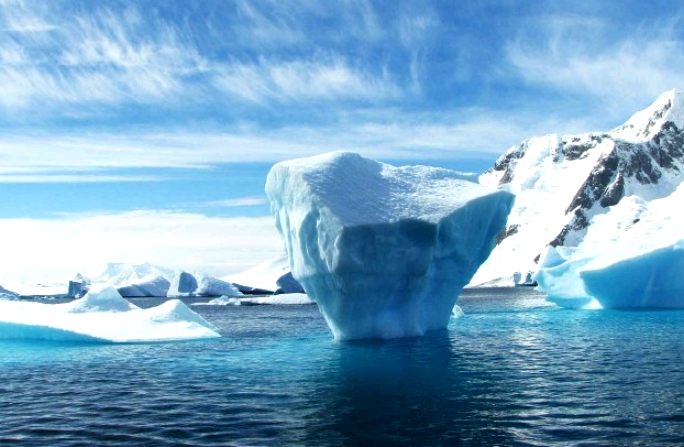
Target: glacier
x=102 y=316
x=384 y=251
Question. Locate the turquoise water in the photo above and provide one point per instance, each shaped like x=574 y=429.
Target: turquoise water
x=513 y=371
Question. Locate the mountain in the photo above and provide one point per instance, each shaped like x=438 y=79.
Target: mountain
x=562 y=183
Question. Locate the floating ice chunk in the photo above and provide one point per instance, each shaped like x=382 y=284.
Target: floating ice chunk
x=7 y=294
x=183 y=284
x=457 y=312
x=653 y=279
x=102 y=316
x=209 y=286
x=287 y=284
x=559 y=278
x=384 y=251
x=283 y=299
x=267 y=277
x=148 y=286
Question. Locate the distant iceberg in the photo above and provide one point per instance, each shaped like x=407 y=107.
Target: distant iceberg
x=270 y=276
x=383 y=250
x=210 y=286
x=284 y=299
x=102 y=316
x=183 y=284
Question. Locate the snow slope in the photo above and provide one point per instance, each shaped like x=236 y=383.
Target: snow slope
x=563 y=183
x=102 y=316
x=383 y=250
x=630 y=257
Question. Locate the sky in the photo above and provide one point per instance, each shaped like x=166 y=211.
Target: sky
x=120 y=118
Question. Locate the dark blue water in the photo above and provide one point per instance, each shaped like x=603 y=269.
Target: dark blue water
x=511 y=372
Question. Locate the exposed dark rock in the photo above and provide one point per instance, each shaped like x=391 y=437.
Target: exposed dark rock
x=508 y=231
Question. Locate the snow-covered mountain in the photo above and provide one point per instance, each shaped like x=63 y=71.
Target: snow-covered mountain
x=562 y=183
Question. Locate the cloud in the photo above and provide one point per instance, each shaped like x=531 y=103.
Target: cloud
x=56 y=249
x=583 y=56
x=235 y=202
x=300 y=80
x=416 y=137
x=76 y=178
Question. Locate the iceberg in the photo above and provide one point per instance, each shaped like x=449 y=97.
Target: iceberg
x=270 y=276
x=283 y=299
x=631 y=257
x=183 y=284
x=384 y=251
x=7 y=294
x=210 y=286
x=102 y=316
x=146 y=286
x=653 y=279
x=134 y=280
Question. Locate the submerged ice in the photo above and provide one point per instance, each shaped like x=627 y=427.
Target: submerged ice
x=102 y=316
x=383 y=250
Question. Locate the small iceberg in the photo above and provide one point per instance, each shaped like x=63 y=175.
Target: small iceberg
x=283 y=299
x=103 y=316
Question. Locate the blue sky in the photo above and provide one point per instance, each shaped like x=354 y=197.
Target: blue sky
x=172 y=106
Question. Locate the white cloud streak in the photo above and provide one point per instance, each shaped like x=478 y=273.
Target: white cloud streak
x=477 y=131
x=53 y=250
x=235 y=202
x=578 y=55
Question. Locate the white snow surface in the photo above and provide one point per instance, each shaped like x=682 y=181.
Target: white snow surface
x=284 y=299
x=102 y=316
x=264 y=275
x=645 y=123
x=383 y=250
x=630 y=257
x=545 y=177
x=210 y=286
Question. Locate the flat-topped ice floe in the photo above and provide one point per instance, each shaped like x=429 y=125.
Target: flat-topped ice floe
x=102 y=316
x=383 y=250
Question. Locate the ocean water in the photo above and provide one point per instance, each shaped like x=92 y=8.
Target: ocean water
x=512 y=371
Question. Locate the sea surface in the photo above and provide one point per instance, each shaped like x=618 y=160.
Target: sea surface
x=513 y=371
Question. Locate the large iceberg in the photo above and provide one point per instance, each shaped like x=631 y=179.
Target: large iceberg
x=102 y=316
x=383 y=250
x=630 y=257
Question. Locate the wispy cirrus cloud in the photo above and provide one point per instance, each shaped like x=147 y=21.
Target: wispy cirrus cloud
x=584 y=56
x=235 y=202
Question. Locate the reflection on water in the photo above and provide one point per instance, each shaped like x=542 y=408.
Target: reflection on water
x=512 y=371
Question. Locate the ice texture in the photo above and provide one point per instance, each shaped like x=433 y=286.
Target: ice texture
x=270 y=276
x=102 y=316
x=630 y=257
x=653 y=279
x=148 y=286
x=283 y=299
x=183 y=284
x=383 y=250
x=210 y=286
